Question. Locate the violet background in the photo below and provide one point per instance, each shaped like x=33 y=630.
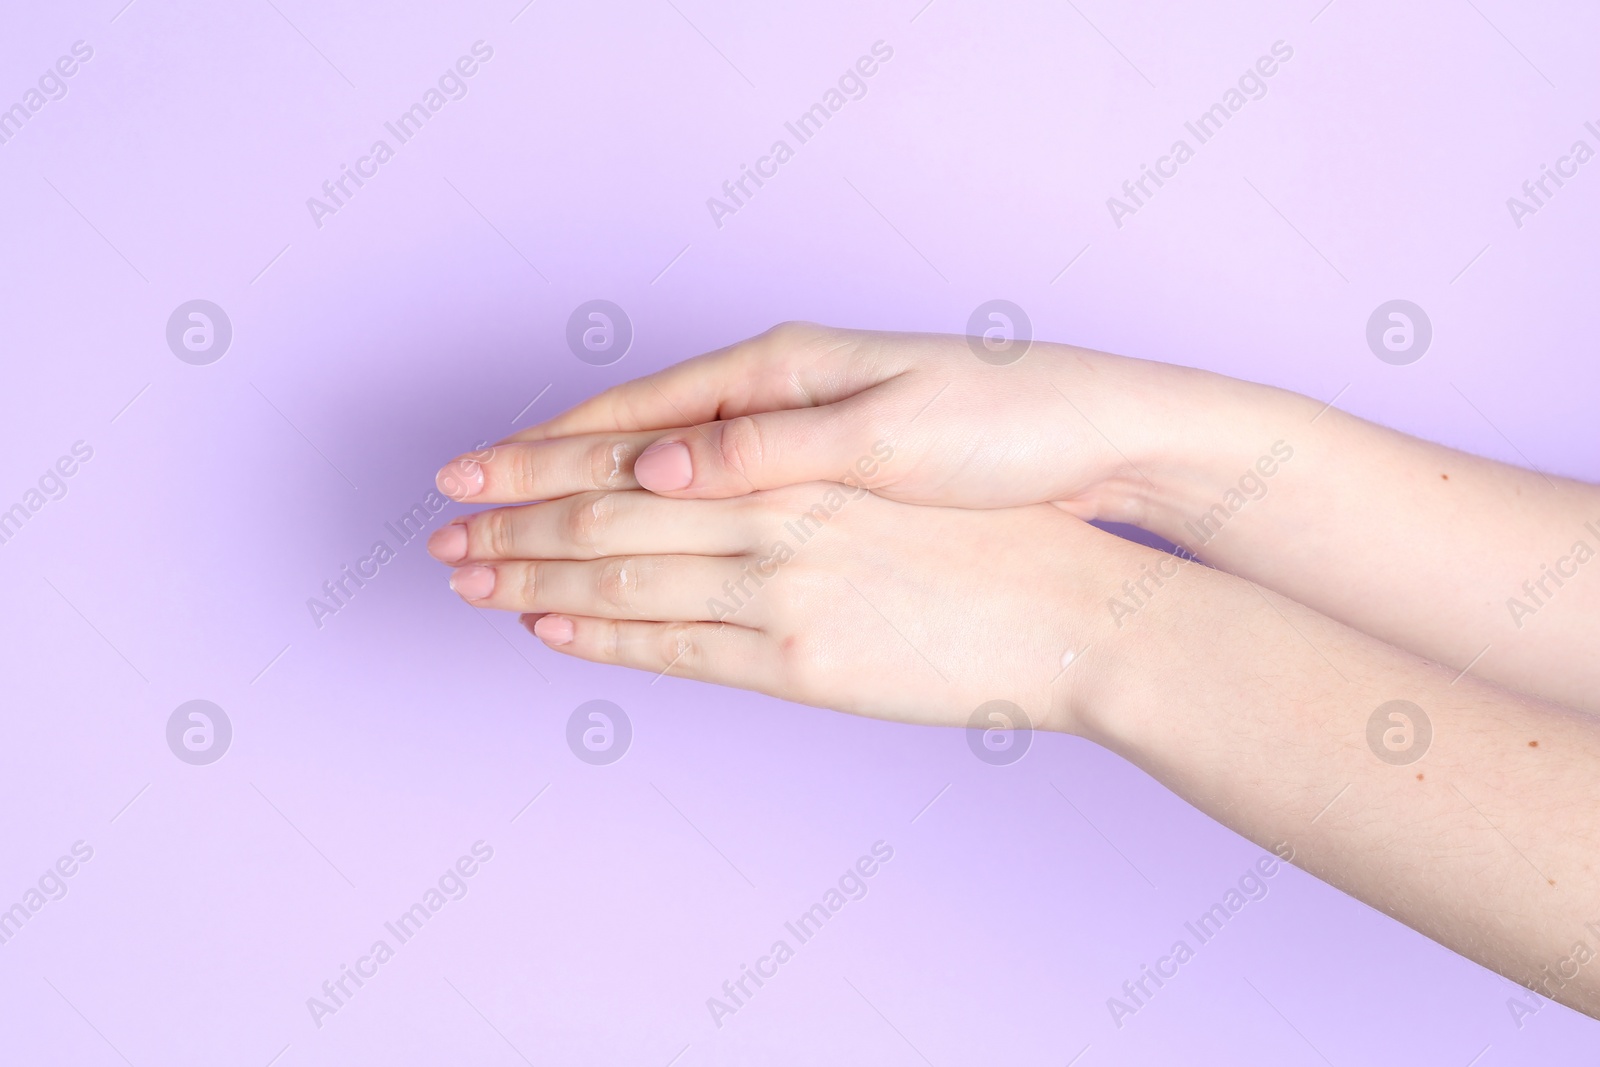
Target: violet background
x=418 y=320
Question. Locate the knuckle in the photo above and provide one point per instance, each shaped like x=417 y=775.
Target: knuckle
x=797 y=649
x=529 y=593
x=491 y=534
x=682 y=649
x=606 y=464
x=619 y=582
x=588 y=519
x=518 y=467
x=792 y=331
x=807 y=660
x=798 y=661
x=739 y=445
x=790 y=653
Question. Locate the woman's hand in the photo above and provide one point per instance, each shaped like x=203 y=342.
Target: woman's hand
x=1097 y=434
x=817 y=593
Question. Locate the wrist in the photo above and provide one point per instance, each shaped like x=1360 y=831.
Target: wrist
x=1157 y=630
x=1124 y=603
x=1210 y=445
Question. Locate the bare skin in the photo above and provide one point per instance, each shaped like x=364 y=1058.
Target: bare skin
x=955 y=582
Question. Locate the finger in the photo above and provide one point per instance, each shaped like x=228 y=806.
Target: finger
x=792 y=365
x=707 y=651
x=511 y=473
x=592 y=525
x=653 y=588
x=768 y=450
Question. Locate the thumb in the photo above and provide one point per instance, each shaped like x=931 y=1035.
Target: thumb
x=764 y=451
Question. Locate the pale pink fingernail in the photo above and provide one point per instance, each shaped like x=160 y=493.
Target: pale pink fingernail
x=460 y=479
x=664 y=466
x=553 y=630
x=474 y=582
x=448 y=543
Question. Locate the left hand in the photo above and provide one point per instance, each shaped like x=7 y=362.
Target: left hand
x=803 y=403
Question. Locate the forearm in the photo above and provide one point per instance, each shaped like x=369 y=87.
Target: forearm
x=1257 y=711
x=1457 y=558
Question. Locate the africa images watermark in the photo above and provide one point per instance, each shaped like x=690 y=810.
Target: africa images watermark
x=52 y=485
x=1251 y=85
x=52 y=886
x=1537 y=192
x=339 y=591
x=1251 y=486
x=753 y=576
x=1251 y=886
x=1538 y=591
x=451 y=885
x=851 y=885
x=451 y=85
x=852 y=85
x=51 y=85
x=599 y=732
x=1577 y=958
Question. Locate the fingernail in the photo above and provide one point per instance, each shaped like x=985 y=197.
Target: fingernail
x=664 y=466
x=448 y=544
x=553 y=630
x=460 y=480
x=474 y=582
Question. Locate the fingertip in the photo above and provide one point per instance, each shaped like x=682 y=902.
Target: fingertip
x=460 y=479
x=473 y=582
x=553 y=630
x=448 y=544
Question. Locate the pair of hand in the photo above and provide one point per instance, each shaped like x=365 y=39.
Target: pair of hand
x=889 y=525
x=852 y=520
